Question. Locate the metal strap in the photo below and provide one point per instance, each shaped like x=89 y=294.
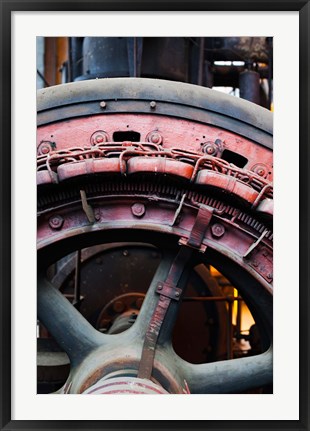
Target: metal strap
x=199 y=229
x=169 y=291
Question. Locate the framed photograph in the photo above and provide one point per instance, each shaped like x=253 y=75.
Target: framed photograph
x=149 y=154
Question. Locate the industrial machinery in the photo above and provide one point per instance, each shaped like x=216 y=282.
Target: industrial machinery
x=155 y=204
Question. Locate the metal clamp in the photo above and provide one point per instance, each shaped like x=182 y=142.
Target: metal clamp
x=199 y=229
x=169 y=291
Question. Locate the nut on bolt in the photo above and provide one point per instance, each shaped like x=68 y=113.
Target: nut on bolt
x=56 y=222
x=260 y=169
x=209 y=149
x=99 y=137
x=138 y=210
x=218 y=230
x=154 y=137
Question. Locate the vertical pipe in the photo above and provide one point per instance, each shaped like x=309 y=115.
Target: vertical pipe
x=135 y=48
x=270 y=72
x=201 y=60
x=249 y=86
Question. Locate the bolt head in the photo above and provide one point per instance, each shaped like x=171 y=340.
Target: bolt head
x=138 y=210
x=260 y=169
x=103 y=105
x=45 y=149
x=177 y=294
x=155 y=138
x=99 y=137
x=56 y=222
x=153 y=104
x=209 y=148
x=218 y=230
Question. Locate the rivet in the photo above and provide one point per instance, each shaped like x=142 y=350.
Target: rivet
x=103 y=105
x=153 y=104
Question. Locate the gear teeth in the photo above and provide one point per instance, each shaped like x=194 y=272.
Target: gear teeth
x=146 y=187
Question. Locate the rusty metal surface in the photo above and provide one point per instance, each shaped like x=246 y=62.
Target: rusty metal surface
x=109 y=357
x=167 y=291
x=167 y=132
x=130 y=158
x=153 y=188
x=172 y=99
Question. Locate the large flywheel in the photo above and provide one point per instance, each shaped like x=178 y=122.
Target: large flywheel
x=146 y=189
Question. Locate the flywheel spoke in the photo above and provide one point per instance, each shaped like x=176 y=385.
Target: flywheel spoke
x=171 y=269
x=69 y=328
x=231 y=376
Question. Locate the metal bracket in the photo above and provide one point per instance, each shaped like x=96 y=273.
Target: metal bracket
x=255 y=244
x=199 y=229
x=169 y=291
x=87 y=208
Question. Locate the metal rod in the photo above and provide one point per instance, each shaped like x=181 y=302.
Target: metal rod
x=43 y=79
x=77 y=279
x=212 y=298
x=270 y=66
x=238 y=318
x=229 y=330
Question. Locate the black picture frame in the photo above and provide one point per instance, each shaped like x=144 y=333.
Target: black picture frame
x=9 y=6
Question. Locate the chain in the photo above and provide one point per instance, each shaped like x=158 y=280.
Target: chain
x=128 y=150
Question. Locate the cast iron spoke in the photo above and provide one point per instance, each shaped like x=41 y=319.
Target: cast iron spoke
x=231 y=376
x=69 y=328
